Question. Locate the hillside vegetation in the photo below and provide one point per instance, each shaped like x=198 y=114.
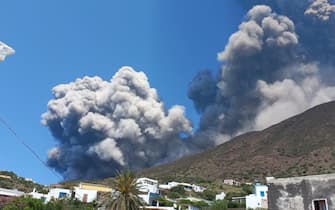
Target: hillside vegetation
x=10 y=180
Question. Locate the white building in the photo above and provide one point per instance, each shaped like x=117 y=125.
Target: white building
x=150 y=190
x=10 y=193
x=28 y=179
x=187 y=186
x=198 y=189
x=169 y=185
x=54 y=193
x=85 y=196
x=58 y=193
x=220 y=196
x=147 y=185
x=259 y=199
x=37 y=195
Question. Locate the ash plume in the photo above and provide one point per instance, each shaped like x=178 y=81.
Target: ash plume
x=273 y=67
x=5 y=51
x=102 y=126
x=264 y=44
x=278 y=63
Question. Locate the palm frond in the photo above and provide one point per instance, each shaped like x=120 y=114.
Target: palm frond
x=126 y=193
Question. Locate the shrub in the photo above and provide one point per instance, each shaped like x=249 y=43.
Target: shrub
x=208 y=195
x=219 y=205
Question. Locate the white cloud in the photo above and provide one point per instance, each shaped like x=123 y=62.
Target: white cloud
x=5 y=51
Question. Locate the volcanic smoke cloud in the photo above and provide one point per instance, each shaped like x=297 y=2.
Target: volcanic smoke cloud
x=103 y=126
x=278 y=63
x=5 y=51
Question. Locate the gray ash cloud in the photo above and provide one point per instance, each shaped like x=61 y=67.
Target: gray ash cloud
x=102 y=126
x=278 y=63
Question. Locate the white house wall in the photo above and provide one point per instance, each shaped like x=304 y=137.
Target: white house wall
x=91 y=195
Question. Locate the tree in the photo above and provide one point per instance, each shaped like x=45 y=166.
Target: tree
x=126 y=195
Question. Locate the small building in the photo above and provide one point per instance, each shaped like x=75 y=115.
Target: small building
x=259 y=199
x=198 y=189
x=306 y=193
x=231 y=182
x=39 y=196
x=29 y=179
x=220 y=196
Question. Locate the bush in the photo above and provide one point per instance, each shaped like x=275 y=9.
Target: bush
x=164 y=202
x=248 y=189
x=236 y=205
x=208 y=195
x=173 y=195
x=177 y=192
x=219 y=205
x=179 y=189
x=198 y=204
x=26 y=203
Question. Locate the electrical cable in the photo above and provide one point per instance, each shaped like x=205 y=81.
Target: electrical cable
x=18 y=139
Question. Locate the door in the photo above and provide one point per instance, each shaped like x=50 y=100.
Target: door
x=85 y=198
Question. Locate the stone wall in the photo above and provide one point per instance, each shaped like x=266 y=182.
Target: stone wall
x=299 y=192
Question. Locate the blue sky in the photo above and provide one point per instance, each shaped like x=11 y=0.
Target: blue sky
x=59 y=41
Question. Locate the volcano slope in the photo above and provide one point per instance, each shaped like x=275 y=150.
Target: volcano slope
x=301 y=145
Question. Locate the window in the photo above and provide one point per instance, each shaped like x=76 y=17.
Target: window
x=320 y=204
x=262 y=194
x=43 y=199
x=62 y=195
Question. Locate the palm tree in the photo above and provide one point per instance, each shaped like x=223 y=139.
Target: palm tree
x=126 y=193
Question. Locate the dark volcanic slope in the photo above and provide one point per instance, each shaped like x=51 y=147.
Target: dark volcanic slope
x=301 y=145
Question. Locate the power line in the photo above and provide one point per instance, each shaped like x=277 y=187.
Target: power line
x=18 y=139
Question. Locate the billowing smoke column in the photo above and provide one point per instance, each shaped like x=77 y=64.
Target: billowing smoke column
x=5 y=51
x=104 y=126
x=279 y=63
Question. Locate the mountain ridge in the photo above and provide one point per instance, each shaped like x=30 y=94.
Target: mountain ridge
x=301 y=145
